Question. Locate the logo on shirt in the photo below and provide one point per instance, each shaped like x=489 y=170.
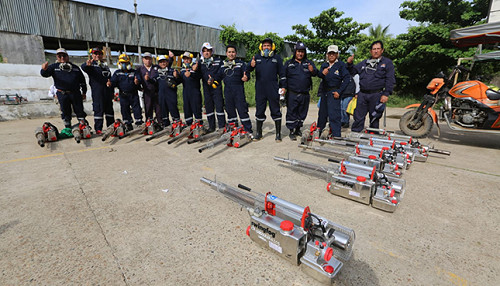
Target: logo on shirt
x=382 y=65
x=337 y=72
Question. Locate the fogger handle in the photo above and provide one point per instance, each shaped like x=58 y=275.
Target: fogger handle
x=243 y=187
x=334 y=160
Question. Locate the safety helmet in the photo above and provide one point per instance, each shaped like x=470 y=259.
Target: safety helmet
x=162 y=57
x=96 y=50
x=270 y=41
x=124 y=58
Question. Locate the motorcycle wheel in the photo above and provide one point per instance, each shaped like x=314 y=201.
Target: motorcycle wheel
x=423 y=129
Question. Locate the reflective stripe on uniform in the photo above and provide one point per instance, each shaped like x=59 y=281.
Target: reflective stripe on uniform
x=210 y=114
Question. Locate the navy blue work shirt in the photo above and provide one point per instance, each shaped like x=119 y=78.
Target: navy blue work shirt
x=268 y=69
x=66 y=79
x=124 y=80
x=298 y=76
x=232 y=72
x=337 y=78
x=379 y=77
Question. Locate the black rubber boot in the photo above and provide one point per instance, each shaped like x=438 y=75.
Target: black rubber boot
x=258 y=134
x=298 y=132
x=292 y=135
x=277 y=124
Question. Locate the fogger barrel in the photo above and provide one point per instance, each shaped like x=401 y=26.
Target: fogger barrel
x=224 y=138
x=245 y=198
x=258 y=202
x=303 y=164
x=40 y=137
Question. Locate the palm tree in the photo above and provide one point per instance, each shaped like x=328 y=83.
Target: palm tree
x=379 y=33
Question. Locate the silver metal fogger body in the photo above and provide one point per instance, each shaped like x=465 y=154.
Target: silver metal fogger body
x=291 y=231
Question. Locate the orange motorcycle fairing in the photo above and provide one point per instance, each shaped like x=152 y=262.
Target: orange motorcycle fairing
x=431 y=111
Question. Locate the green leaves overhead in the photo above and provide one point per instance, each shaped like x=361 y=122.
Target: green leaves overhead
x=328 y=28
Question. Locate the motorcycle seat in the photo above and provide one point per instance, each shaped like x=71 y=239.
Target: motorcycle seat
x=492 y=95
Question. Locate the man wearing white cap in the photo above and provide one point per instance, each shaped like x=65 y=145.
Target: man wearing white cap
x=68 y=80
x=335 y=80
x=209 y=67
x=166 y=83
x=191 y=94
x=149 y=92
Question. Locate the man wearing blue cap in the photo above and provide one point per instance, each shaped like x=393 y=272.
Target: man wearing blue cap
x=299 y=72
x=376 y=81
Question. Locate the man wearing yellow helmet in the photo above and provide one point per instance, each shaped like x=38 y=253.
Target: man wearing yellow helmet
x=269 y=84
x=190 y=77
x=126 y=79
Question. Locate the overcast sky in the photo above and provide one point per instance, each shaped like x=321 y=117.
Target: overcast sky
x=261 y=16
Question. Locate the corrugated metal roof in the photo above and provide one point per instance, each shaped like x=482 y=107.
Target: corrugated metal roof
x=86 y=22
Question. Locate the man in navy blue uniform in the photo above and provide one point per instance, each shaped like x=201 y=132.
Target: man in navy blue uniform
x=234 y=74
x=166 y=80
x=376 y=81
x=149 y=91
x=68 y=81
x=335 y=80
x=268 y=71
x=127 y=80
x=102 y=96
x=299 y=72
x=190 y=77
x=209 y=67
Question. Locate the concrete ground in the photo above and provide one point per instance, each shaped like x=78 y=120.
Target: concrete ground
x=130 y=212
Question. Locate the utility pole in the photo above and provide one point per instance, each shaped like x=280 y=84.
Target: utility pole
x=137 y=30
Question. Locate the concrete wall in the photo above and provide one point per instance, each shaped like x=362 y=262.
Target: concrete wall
x=26 y=81
x=21 y=49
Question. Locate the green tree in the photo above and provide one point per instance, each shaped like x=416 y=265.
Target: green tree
x=329 y=29
x=247 y=42
x=426 y=49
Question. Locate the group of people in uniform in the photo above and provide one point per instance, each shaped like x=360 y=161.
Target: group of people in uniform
x=276 y=84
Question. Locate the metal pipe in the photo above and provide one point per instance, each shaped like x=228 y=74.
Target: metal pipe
x=303 y=164
x=137 y=30
x=247 y=199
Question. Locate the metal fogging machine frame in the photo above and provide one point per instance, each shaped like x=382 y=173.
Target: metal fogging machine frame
x=293 y=232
